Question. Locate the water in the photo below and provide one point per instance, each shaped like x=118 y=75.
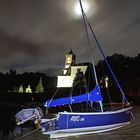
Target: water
x=130 y=132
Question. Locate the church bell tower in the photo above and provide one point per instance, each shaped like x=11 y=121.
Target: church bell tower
x=69 y=61
x=70 y=71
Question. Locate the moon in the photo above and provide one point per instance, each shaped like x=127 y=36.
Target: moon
x=77 y=8
x=74 y=10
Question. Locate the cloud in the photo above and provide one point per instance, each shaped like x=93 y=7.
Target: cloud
x=35 y=35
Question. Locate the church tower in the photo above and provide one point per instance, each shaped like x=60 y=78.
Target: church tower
x=69 y=61
x=70 y=71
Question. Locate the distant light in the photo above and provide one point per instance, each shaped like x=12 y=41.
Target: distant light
x=77 y=8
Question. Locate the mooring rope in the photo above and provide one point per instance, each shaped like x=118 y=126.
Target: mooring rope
x=27 y=134
x=18 y=138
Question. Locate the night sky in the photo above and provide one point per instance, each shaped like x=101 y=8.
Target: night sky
x=35 y=35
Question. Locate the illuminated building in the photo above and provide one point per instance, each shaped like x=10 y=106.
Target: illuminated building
x=28 y=89
x=70 y=71
x=39 y=87
x=20 y=90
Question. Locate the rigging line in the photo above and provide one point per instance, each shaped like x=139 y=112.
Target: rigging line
x=79 y=85
x=86 y=87
x=88 y=42
x=70 y=108
x=87 y=38
x=55 y=92
x=85 y=83
x=70 y=95
x=53 y=96
x=93 y=107
x=98 y=45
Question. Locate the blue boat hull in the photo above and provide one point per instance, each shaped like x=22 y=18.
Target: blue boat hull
x=67 y=122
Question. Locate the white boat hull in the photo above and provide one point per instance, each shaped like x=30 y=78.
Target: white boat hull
x=84 y=131
x=85 y=127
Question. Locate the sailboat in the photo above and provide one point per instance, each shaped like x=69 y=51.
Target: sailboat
x=78 y=123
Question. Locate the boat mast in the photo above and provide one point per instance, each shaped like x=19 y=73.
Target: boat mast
x=87 y=38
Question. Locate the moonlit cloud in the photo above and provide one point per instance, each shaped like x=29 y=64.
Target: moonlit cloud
x=77 y=8
x=74 y=10
x=36 y=35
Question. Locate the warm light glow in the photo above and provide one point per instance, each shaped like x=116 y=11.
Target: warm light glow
x=74 y=10
x=77 y=8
